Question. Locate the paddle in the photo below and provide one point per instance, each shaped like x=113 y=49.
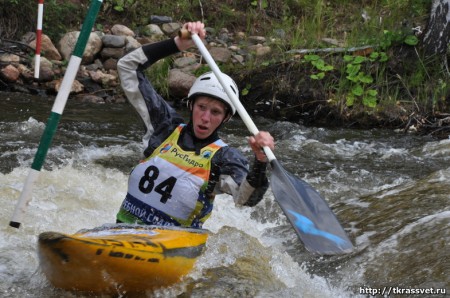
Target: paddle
x=308 y=213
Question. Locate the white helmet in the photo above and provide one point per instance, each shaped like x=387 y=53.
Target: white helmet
x=208 y=84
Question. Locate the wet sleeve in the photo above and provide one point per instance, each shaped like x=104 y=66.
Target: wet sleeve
x=246 y=186
x=257 y=182
x=154 y=111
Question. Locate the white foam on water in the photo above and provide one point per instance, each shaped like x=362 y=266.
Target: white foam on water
x=437 y=149
x=286 y=270
x=71 y=198
x=63 y=200
x=391 y=244
x=74 y=192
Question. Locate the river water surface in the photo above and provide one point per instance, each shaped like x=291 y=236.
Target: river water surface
x=390 y=191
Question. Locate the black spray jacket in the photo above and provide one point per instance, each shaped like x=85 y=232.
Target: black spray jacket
x=230 y=169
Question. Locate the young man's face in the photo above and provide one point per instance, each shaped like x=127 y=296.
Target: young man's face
x=207 y=115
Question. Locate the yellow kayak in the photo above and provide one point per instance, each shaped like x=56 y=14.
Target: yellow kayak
x=119 y=258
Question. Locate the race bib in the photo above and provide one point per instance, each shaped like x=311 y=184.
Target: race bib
x=172 y=190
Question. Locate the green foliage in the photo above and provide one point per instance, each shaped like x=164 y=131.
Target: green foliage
x=201 y=70
x=158 y=73
x=358 y=81
x=319 y=64
x=121 y=5
x=361 y=90
x=390 y=38
x=262 y=3
x=357 y=78
x=58 y=18
x=417 y=78
x=411 y=40
x=58 y=21
x=246 y=89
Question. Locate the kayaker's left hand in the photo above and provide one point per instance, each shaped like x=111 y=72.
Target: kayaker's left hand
x=257 y=142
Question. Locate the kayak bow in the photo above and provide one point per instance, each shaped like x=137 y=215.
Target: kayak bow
x=125 y=258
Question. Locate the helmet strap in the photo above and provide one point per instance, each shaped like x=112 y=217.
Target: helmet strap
x=227 y=117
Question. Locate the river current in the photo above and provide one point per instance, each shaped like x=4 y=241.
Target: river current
x=390 y=191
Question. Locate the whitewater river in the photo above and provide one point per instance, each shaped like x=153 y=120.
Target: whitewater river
x=390 y=191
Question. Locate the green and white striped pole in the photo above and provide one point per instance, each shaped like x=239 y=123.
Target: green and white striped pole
x=57 y=110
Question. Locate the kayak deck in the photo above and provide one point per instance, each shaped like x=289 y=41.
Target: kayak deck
x=119 y=258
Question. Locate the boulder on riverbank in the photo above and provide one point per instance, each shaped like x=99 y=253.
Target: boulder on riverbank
x=283 y=90
x=97 y=79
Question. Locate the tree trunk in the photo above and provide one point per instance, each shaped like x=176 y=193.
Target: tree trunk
x=437 y=35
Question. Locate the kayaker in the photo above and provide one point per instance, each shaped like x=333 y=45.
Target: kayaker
x=185 y=165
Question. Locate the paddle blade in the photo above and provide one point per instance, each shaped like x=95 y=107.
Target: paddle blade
x=309 y=214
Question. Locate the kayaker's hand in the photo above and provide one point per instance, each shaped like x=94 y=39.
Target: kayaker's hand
x=193 y=27
x=257 y=142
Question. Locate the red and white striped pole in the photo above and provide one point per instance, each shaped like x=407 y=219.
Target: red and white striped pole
x=55 y=116
x=37 y=57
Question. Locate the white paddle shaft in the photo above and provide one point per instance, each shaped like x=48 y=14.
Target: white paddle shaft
x=234 y=99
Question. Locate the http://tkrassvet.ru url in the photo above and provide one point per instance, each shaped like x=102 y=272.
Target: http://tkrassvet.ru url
x=387 y=291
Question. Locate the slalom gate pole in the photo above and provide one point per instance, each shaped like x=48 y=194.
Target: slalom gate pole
x=37 y=57
x=57 y=110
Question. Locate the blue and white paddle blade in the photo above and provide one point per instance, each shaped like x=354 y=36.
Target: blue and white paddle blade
x=309 y=214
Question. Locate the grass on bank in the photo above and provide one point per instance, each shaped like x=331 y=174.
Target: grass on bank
x=370 y=82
